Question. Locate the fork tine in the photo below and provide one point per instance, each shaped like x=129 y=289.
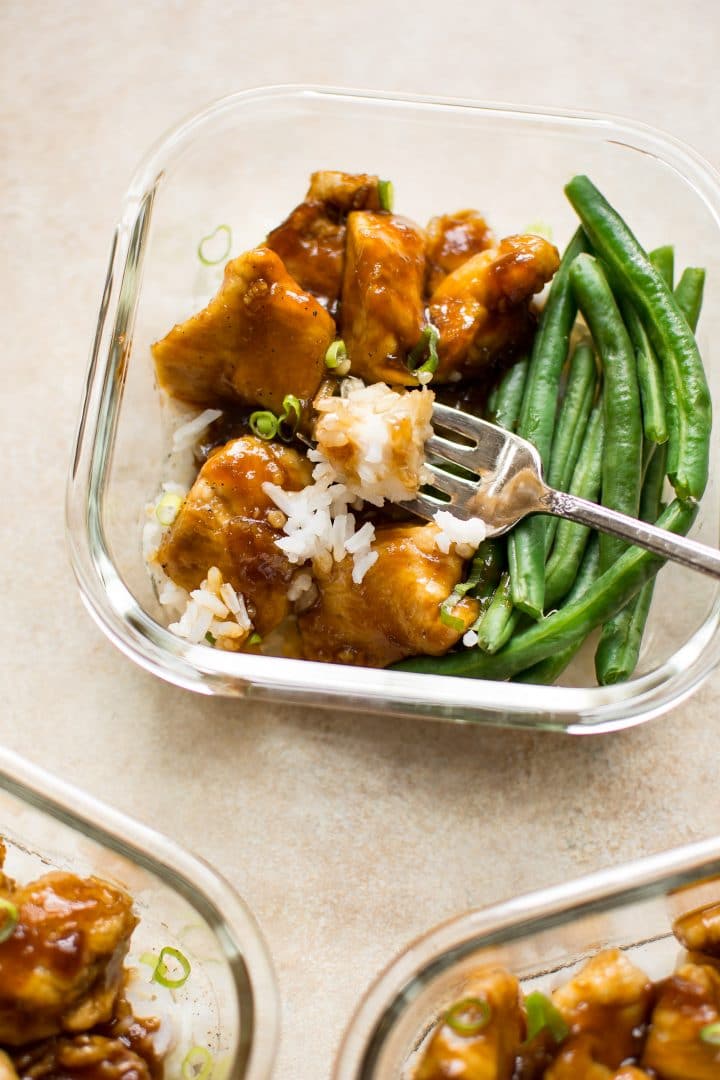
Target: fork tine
x=450 y=451
x=457 y=487
x=455 y=420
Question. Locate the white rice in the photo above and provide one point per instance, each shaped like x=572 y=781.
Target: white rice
x=465 y=535
x=187 y=434
x=215 y=613
x=370 y=444
x=374 y=439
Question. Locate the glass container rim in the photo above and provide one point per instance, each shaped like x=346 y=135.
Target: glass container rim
x=585 y=710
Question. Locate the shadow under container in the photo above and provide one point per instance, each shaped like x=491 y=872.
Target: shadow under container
x=228 y=1006
x=245 y=162
x=541 y=938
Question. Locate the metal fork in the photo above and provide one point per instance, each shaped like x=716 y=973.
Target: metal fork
x=508 y=485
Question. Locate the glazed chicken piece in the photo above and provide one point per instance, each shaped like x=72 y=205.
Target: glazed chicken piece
x=393 y=613
x=490 y=1053
x=576 y=1061
x=261 y=337
x=608 y=1001
x=451 y=240
x=699 y=931
x=311 y=241
x=687 y=1002
x=228 y=521
x=84 y=1057
x=382 y=297
x=482 y=309
x=61 y=969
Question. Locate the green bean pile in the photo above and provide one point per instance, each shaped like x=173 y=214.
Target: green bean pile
x=638 y=379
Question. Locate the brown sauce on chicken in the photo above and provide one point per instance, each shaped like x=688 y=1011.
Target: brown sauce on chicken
x=63 y=1014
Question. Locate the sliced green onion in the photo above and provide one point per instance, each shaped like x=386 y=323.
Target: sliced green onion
x=210 y=638
x=264 y=424
x=197 y=1064
x=461 y=590
x=539 y=228
x=148 y=958
x=448 y=618
x=11 y=917
x=254 y=639
x=290 y=418
x=427 y=344
x=202 y=252
x=336 y=354
x=386 y=194
x=469 y=1016
x=167 y=508
x=542 y=1014
x=711 y=1033
x=161 y=974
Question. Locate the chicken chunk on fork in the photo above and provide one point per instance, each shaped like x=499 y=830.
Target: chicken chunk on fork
x=394 y=611
x=382 y=313
x=311 y=240
x=482 y=309
x=228 y=521
x=608 y=1001
x=687 y=1002
x=61 y=969
x=260 y=338
x=492 y=1005
x=451 y=240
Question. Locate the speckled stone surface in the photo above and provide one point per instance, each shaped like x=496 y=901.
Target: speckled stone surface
x=347 y=834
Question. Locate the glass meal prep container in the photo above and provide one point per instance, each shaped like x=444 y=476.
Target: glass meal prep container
x=244 y=162
x=228 y=1005
x=542 y=938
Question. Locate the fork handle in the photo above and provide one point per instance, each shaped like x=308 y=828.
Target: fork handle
x=663 y=543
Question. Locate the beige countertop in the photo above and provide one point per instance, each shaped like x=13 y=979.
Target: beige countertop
x=347 y=834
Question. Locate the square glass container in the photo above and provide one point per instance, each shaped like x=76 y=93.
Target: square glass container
x=541 y=937
x=244 y=162
x=228 y=1005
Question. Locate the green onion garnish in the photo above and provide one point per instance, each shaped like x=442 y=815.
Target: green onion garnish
x=197 y=1064
x=148 y=958
x=167 y=508
x=469 y=1016
x=336 y=354
x=711 y=1033
x=254 y=639
x=10 y=919
x=417 y=360
x=210 y=638
x=539 y=228
x=162 y=975
x=542 y=1014
x=290 y=418
x=264 y=424
x=461 y=590
x=386 y=194
x=202 y=252
x=447 y=618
